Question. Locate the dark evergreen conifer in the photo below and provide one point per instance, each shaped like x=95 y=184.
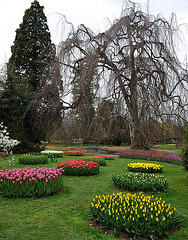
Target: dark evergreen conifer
x=32 y=49
x=32 y=52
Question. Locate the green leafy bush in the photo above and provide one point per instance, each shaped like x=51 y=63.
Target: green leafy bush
x=32 y=159
x=184 y=155
x=134 y=213
x=98 y=159
x=145 y=167
x=27 y=147
x=140 y=182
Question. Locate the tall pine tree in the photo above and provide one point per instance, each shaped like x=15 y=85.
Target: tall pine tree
x=32 y=52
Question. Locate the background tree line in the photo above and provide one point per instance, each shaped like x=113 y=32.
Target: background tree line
x=125 y=85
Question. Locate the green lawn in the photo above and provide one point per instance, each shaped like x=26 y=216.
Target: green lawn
x=171 y=147
x=65 y=215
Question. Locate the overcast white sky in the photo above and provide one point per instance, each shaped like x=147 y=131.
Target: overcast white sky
x=93 y=14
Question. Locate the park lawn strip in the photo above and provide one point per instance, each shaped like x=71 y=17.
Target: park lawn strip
x=65 y=215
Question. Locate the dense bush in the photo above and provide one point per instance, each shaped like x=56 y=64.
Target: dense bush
x=145 y=167
x=27 y=147
x=150 y=157
x=140 y=182
x=30 y=182
x=79 y=167
x=98 y=159
x=134 y=213
x=32 y=159
x=184 y=155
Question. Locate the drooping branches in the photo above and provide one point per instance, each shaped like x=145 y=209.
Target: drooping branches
x=137 y=57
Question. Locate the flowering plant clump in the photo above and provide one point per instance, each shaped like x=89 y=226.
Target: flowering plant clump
x=140 y=182
x=3 y=154
x=28 y=182
x=53 y=154
x=74 y=153
x=6 y=143
x=79 y=167
x=144 y=167
x=134 y=213
x=98 y=159
x=105 y=157
x=32 y=159
x=150 y=157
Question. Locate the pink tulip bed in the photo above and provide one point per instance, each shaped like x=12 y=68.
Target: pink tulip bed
x=79 y=167
x=150 y=157
x=34 y=182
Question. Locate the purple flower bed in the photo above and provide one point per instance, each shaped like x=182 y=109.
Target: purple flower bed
x=150 y=157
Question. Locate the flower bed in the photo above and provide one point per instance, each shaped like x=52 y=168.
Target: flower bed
x=74 y=153
x=79 y=167
x=150 y=157
x=105 y=157
x=134 y=213
x=50 y=154
x=140 y=182
x=32 y=159
x=32 y=182
x=98 y=159
x=3 y=155
x=145 y=167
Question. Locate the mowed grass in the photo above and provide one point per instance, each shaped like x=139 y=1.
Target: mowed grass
x=65 y=215
x=170 y=147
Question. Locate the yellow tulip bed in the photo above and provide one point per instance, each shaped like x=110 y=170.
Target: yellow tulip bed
x=134 y=213
x=145 y=167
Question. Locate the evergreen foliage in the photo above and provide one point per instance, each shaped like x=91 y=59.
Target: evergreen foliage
x=32 y=52
x=32 y=49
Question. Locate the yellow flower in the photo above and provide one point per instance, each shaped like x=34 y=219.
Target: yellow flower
x=116 y=218
x=157 y=219
x=164 y=219
x=151 y=216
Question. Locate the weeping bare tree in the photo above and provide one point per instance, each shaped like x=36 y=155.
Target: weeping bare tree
x=137 y=58
x=46 y=105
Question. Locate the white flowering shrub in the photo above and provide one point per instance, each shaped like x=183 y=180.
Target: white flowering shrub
x=5 y=142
